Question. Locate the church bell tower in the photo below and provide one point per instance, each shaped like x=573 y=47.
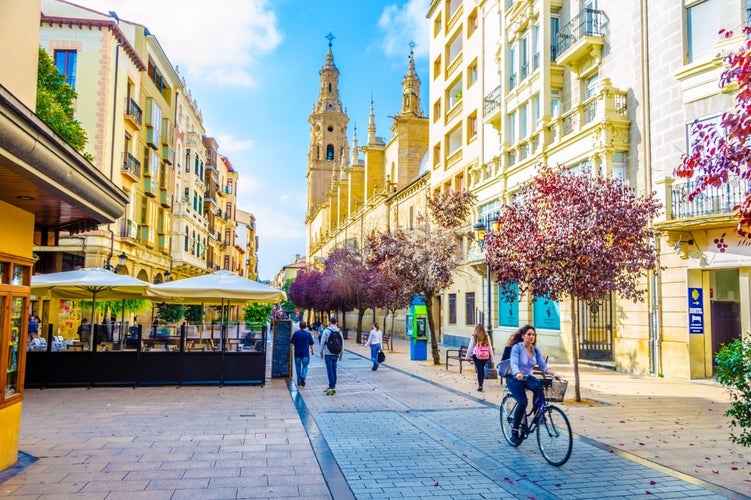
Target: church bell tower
x=328 y=136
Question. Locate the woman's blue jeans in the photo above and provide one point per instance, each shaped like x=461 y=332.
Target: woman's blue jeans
x=301 y=367
x=374 y=353
x=518 y=389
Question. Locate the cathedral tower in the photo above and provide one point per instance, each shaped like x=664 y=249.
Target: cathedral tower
x=328 y=136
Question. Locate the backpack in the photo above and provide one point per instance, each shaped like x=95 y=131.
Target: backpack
x=482 y=351
x=335 y=342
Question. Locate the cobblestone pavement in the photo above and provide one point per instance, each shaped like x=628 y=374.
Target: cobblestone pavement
x=407 y=430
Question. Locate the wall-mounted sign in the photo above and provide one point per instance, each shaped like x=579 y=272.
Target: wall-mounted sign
x=695 y=310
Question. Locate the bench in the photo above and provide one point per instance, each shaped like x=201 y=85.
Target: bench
x=458 y=354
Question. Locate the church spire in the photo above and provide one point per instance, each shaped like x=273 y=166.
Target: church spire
x=411 y=87
x=371 y=124
x=355 y=152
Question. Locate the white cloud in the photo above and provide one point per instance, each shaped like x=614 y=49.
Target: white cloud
x=402 y=25
x=230 y=145
x=215 y=42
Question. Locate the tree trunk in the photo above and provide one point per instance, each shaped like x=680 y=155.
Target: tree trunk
x=391 y=335
x=360 y=315
x=433 y=335
x=575 y=346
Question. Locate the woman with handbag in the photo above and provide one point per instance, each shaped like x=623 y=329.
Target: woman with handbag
x=375 y=337
x=480 y=350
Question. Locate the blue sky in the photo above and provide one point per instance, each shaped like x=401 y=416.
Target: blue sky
x=252 y=66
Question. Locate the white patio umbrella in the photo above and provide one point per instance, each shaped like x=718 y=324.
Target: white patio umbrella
x=90 y=283
x=220 y=287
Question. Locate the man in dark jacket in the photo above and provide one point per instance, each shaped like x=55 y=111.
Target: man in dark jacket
x=330 y=358
x=304 y=348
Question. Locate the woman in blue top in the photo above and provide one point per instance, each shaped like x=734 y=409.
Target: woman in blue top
x=524 y=356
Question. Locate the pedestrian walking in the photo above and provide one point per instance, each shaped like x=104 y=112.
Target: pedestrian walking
x=480 y=351
x=304 y=348
x=375 y=339
x=332 y=349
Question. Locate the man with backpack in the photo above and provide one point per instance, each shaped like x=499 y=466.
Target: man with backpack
x=332 y=349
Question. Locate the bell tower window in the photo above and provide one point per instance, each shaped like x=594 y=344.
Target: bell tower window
x=330 y=152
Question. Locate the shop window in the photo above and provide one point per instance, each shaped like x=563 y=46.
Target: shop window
x=508 y=311
x=15 y=279
x=546 y=314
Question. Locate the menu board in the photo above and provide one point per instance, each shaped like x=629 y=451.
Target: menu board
x=281 y=360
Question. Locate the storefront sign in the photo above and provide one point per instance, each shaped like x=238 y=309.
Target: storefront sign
x=695 y=310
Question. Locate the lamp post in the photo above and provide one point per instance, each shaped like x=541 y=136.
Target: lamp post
x=480 y=229
x=121 y=262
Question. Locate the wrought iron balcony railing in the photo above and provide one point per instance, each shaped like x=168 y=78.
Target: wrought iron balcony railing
x=588 y=22
x=712 y=201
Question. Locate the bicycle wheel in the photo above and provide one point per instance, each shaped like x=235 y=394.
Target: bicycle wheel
x=554 y=436
x=508 y=406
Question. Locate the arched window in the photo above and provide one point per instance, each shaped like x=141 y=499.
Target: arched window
x=330 y=152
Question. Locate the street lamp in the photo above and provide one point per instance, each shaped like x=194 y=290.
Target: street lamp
x=480 y=229
x=109 y=267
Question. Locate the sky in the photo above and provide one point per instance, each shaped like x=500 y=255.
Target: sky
x=252 y=66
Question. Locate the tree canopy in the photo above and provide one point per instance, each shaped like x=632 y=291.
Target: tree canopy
x=54 y=104
x=576 y=235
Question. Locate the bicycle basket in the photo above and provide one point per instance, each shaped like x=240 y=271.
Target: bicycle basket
x=556 y=391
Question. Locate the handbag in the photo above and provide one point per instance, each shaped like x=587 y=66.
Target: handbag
x=381 y=356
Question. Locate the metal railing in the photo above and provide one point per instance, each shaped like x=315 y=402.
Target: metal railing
x=132 y=165
x=134 y=111
x=588 y=22
x=712 y=201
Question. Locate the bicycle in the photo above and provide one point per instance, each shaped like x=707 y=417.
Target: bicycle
x=554 y=436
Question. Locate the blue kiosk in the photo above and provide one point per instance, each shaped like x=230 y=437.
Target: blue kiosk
x=417 y=330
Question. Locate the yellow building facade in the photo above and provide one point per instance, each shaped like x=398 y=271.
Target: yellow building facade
x=38 y=202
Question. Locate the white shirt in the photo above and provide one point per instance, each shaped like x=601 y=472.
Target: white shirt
x=375 y=337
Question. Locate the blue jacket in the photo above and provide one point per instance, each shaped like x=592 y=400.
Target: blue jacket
x=520 y=361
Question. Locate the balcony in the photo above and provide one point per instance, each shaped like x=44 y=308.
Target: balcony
x=165 y=200
x=713 y=201
x=131 y=167
x=491 y=109
x=128 y=229
x=168 y=155
x=133 y=113
x=149 y=187
x=151 y=138
x=579 y=43
x=609 y=105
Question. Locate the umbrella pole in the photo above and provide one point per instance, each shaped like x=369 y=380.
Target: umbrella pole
x=122 y=326
x=93 y=321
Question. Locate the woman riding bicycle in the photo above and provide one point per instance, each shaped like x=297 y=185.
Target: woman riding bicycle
x=525 y=355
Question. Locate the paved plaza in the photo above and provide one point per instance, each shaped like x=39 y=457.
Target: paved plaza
x=408 y=430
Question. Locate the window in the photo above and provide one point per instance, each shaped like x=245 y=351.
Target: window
x=546 y=314
x=618 y=170
x=555 y=103
x=472 y=126
x=512 y=68
x=452 y=309
x=511 y=128
x=186 y=245
x=523 y=128
x=453 y=6
x=229 y=186
x=187 y=160
x=329 y=152
x=535 y=47
x=703 y=21
x=454 y=140
x=469 y=309
x=436 y=155
x=455 y=47
x=65 y=60
x=437 y=67
x=472 y=73
x=186 y=194
x=436 y=110
x=536 y=110
x=437 y=25
x=472 y=23
x=590 y=88
x=524 y=56
x=455 y=93
x=555 y=27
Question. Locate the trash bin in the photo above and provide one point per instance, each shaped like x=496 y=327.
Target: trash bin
x=418 y=349
x=345 y=333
